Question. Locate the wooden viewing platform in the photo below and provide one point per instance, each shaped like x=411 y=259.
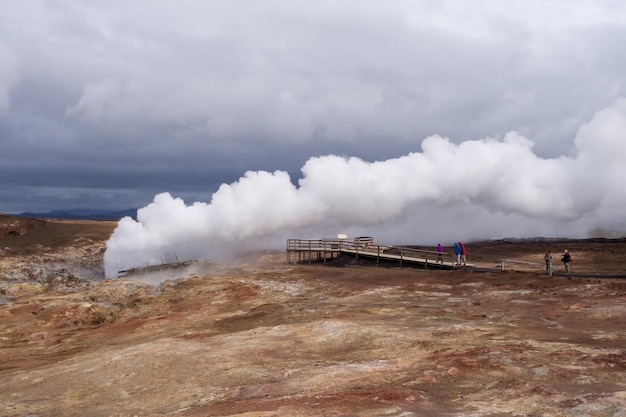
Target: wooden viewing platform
x=322 y=250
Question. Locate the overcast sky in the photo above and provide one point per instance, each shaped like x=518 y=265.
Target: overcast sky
x=104 y=104
x=107 y=104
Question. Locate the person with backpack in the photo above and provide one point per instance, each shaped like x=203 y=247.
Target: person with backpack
x=457 y=253
x=566 y=259
x=548 y=258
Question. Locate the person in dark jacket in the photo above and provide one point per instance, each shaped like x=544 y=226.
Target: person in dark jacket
x=439 y=253
x=548 y=258
x=566 y=259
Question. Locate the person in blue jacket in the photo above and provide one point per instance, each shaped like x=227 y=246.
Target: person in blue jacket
x=457 y=252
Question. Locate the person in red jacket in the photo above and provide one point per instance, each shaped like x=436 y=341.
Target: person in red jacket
x=463 y=253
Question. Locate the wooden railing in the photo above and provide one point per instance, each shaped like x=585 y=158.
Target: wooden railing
x=322 y=249
x=329 y=243
x=429 y=256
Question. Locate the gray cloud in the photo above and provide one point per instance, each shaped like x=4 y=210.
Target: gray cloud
x=131 y=99
x=8 y=77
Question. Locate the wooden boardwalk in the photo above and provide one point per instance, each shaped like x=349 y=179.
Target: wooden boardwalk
x=323 y=250
x=152 y=268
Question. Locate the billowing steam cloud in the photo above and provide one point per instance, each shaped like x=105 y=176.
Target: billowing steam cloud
x=475 y=190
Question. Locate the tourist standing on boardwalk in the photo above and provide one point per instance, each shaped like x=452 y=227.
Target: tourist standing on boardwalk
x=463 y=254
x=439 y=253
x=566 y=259
x=548 y=258
x=457 y=252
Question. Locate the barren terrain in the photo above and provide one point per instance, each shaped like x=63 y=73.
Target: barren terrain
x=266 y=338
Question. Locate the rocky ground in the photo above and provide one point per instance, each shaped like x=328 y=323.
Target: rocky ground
x=268 y=338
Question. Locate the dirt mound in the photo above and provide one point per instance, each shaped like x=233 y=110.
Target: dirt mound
x=46 y=250
x=25 y=235
x=17 y=226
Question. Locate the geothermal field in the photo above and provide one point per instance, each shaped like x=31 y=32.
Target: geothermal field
x=262 y=337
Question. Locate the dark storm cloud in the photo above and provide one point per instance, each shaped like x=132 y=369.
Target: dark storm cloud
x=107 y=103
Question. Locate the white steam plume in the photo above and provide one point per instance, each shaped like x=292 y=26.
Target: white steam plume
x=475 y=190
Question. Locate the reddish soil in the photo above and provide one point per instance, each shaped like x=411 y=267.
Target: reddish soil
x=267 y=338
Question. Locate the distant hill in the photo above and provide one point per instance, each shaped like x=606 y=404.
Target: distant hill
x=81 y=214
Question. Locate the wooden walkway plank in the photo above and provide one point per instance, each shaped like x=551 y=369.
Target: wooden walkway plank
x=321 y=249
